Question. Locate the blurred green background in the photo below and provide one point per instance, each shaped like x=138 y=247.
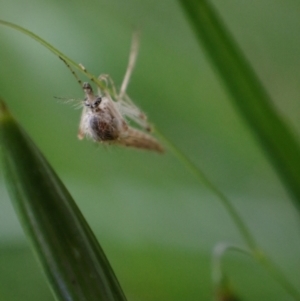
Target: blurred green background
x=157 y=225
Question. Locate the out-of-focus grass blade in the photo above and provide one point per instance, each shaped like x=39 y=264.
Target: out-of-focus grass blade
x=247 y=93
x=75 y=264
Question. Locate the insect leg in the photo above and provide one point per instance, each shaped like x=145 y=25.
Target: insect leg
x=81 y=129
x=135 y=43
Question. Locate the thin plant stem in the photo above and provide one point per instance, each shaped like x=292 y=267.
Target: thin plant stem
x=278 y=275
x=241 y=226
x=218 y=254
x=254 y=249
x=54 y=51
x=221 y=283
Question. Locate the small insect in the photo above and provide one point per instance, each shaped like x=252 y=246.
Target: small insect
x=106 y=116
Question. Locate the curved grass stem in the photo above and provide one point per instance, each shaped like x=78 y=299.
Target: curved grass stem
x=217 y=256
x=54 y=51
x=278 y=275
x=254 y=249
x=241 y=226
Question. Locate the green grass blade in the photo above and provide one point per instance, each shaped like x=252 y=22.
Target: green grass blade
x=54 y=50
x=73 y=261
x=248 y=95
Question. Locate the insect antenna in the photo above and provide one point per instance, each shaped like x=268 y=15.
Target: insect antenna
x=66 y=99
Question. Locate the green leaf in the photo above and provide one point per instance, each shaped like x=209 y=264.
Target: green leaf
x=71 y=257
x=247 y=93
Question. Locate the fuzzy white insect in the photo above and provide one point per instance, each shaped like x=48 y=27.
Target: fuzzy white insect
x=105 y=116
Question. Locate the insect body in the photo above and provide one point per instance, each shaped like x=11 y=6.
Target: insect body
x=103 y=121
x=106 y=117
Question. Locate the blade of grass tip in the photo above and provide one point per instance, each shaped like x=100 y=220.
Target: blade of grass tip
x=54 y=50
x=247 y=93
x=222 y=286
x=218 y=274
x=75 y=265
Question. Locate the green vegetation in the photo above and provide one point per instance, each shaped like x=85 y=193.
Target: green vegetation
x=157 y=225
